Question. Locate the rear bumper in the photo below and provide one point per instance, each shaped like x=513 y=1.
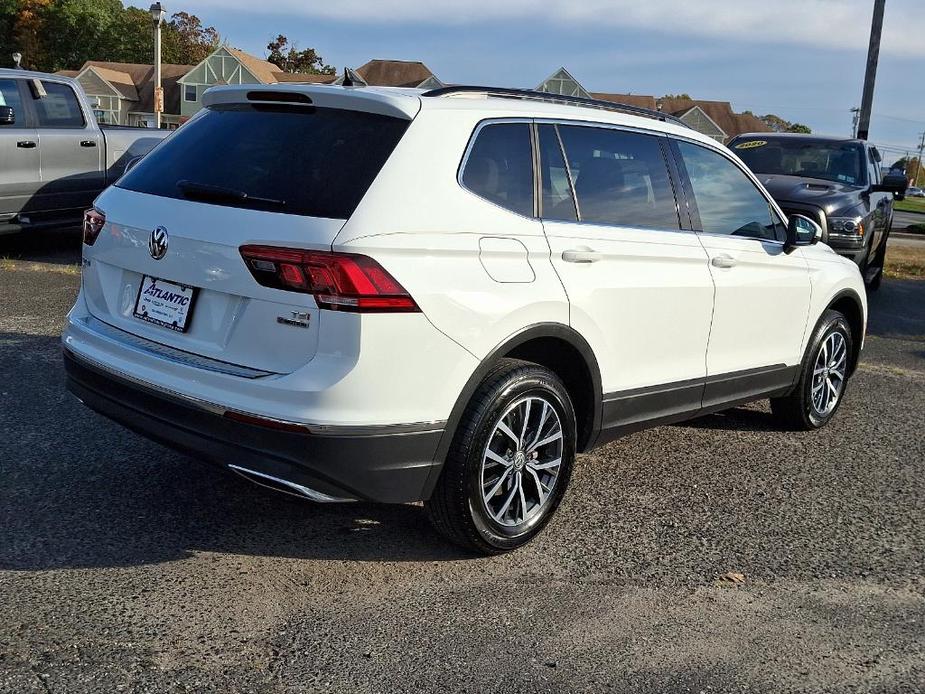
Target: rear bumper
x=371 y=463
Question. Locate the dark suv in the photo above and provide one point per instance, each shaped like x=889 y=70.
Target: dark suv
x=836 y=182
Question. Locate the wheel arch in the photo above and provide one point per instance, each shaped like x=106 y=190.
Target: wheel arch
x=849 y=304
x=560 y=349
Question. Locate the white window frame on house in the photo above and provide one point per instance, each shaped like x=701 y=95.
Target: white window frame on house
x=186 y=92
x=108 y=113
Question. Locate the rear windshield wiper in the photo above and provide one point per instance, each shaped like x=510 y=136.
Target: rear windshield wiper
x=205 y=191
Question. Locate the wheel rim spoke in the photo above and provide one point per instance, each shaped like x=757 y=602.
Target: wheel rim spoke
x=829 y=373
x=534 y=451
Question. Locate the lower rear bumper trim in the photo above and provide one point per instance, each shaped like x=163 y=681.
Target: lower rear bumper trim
x=389 y=467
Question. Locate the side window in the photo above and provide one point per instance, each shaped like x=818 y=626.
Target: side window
x=59 y=108
x=727 y=200
x=189 y=92
x=10 y=96
x=873 y=168
x=558 y=201
x=499 y=167
x=619 y=177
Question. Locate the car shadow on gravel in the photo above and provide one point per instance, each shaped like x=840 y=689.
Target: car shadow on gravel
x=897 y=309
x=736 y=419
x=55 y=246
x=77 y=490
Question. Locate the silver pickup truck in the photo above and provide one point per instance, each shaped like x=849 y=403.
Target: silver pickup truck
x=54 y=157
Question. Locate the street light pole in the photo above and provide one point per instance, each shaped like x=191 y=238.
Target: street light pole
x=157 y=16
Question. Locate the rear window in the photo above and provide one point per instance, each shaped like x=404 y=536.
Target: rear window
x=500 y=166
x=312 y=162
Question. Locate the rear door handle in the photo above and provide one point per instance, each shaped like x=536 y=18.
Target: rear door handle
x=87 y=143
x=580 y=255
x=26 y=144
x=725 y=261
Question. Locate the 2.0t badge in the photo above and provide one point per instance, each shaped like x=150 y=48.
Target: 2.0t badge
x=157 y=243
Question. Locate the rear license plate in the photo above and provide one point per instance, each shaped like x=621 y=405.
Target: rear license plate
x=164 y=303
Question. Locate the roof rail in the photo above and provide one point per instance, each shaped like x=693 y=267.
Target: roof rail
x=532 y=95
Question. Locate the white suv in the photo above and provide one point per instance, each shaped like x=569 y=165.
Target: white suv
x=395 y=295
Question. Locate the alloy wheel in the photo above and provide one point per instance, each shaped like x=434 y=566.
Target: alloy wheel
x=521 y=462
x=829 y=373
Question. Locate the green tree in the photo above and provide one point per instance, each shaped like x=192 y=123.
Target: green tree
x=75 y=31
x=290 y=59
x=186 y=41
x=63 y=34
x=780 y=125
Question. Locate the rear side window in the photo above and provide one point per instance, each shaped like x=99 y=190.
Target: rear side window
x=59 y=108
x=296 y=160
x=619 y=178
x=727 y=200
x=9 y=96
x=499 y=167
x=558 y=201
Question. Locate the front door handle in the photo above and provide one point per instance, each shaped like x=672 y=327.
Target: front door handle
x=580 y=255
x=26 y=144
x=87 y=143
x=724 y=261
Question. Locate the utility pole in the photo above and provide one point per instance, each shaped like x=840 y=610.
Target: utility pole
x=918 y=162
x=854 y=122
x=870 y=75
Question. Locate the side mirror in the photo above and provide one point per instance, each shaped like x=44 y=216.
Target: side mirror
x=801 y=231
x=895 y=183
x=131 y=163
x=7 y=115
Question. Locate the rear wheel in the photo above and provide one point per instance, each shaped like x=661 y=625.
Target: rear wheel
x=510 y=460
x=823 y=376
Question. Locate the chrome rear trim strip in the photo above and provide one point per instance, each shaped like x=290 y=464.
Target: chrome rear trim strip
x=178 y=356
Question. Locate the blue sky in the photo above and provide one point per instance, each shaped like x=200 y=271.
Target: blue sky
x=801 y=59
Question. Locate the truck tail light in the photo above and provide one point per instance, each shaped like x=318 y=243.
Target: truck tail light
x=338 y=281
x=93 y=225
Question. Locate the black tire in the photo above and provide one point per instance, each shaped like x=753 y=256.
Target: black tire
x=879 y=261
x=457 y=508
x=798 y=410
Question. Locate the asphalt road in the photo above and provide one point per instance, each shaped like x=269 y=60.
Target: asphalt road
x=127 y=567
x=903 y=219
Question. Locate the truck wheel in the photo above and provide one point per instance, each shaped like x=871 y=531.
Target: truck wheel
x=510 y=461
x=823 y=377
x=873 y=276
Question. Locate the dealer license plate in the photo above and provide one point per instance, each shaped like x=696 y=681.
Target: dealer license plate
x=164 y=303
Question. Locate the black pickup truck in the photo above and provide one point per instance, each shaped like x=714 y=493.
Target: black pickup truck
x=837 y=182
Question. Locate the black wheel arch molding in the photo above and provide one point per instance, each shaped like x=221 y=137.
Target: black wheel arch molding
x=857 y=319
x=532 y=334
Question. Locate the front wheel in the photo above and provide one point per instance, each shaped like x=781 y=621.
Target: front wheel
x=873 y=275
x=823 y=376
x=510 y=461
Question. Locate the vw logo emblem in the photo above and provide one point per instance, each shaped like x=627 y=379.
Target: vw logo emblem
x=157 y=243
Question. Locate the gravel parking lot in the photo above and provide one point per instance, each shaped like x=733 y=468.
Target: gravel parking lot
x=127 y=567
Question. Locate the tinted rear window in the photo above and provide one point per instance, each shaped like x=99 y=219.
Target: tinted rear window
x=312 y=162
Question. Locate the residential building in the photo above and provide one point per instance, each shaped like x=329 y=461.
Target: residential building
x=715 y=119
x=123 y=93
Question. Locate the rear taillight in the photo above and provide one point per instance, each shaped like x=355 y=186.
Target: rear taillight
x=93 y=224
x=338 y=281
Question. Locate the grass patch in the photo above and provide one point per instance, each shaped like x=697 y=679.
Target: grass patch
x=31 y=266
x=905 y=263
x=910 y=205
